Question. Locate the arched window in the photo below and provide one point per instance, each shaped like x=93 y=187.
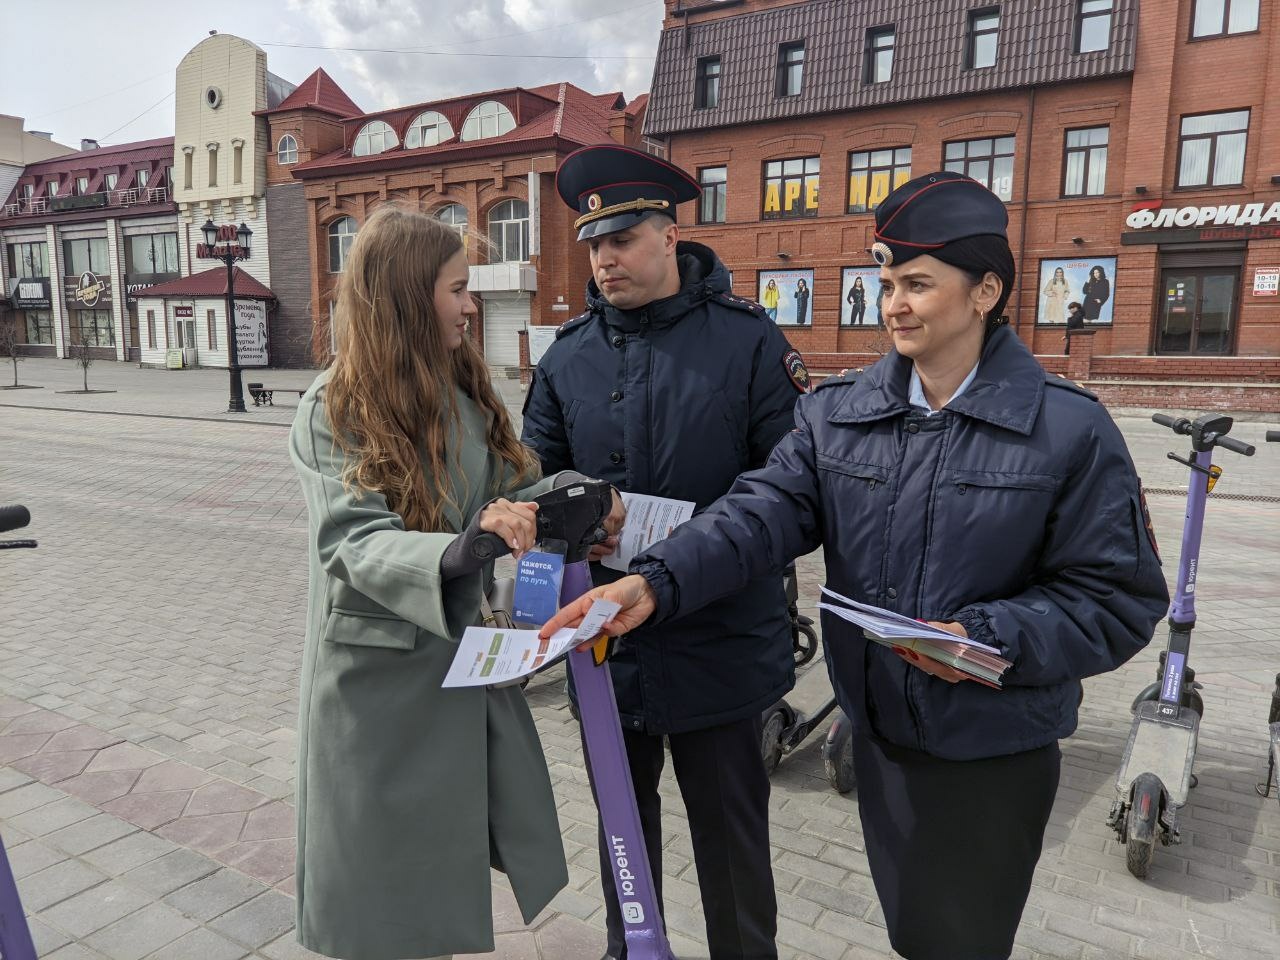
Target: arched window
x=488 y=119
x=509 y=232
x=427 y=130
x=287 y=151
x=374 y=137
x=341 y=234
x=455 y=215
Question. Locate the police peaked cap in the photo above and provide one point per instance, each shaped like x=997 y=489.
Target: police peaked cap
x=929 y=212
x=615 y=187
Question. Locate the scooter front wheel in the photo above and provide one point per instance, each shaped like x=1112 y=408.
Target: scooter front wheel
x=837 y=755
x=775 y=725
x=1143 y=824
x=805 y=643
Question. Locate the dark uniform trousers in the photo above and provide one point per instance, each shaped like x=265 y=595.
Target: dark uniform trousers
x=725 y=790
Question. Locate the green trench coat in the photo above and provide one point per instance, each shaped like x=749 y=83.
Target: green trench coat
x=407 y=793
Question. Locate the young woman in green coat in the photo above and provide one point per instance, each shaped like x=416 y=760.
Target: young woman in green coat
x=409 y=793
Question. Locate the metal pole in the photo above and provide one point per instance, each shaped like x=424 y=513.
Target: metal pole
x=233 y=361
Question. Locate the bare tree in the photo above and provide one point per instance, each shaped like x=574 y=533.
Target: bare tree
x=83 y=355
x=9 y=345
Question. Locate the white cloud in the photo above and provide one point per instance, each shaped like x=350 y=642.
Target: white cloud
x=465 y=29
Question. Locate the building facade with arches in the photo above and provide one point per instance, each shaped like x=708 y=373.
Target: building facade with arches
x=483 y=163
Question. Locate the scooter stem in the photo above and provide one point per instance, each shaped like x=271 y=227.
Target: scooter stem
x=615 y=793
x=1183 y=610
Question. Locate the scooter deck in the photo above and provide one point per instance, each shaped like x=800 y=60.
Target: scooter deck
x=1164 y=746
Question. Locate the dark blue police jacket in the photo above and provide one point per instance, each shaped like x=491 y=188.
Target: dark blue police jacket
x=1015 y=511
x=675 y=400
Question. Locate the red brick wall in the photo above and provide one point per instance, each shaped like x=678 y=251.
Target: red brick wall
x=1173 y=78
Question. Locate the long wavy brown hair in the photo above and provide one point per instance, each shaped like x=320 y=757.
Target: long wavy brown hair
x=390 y=398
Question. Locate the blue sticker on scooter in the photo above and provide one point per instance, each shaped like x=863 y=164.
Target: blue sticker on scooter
x=537 y=589
x=1169 y=691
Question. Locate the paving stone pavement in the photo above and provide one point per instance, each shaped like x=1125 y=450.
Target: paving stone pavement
x=148 y=668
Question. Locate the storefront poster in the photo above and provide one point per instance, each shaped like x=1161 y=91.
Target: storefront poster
x=89 y=290
x=1266 y=281
x=251 y=333
x=1089 y=282
x=30 y=294
x=860 y=297
x=787 y=296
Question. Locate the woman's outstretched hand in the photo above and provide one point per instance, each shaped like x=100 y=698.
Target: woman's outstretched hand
x=634 y=595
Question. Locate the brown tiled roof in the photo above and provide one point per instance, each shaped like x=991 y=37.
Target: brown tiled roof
x=211 y=283
x=1036 y=46
x=320 y=92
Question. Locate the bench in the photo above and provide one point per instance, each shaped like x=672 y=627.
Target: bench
x=262 y=396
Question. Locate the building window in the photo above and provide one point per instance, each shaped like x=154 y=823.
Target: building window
x=28 y=190
x=455 y=215
x=93 y=328
x=989 y=161
x=711 y=205
x=213 y=166
x=85 y=256
x=287 y=150
x=1199 y=309
x=342 y=233
x=39 y=326
x=1084 y=163
x=151 y=253
x=879 y=55
x=51 y=188
x=237 y=162
x=211 y=321
x=790 y=188
x=509 y=232
x=1093 y=26
x=151 y=329
x=374 y=137
x=427 y=130
x=110 y=180
x=82 y=186
x=1211 y=149
x=488 y=119
x=144 y=177
x=874 y=174
x=707 y=94
x=29 y=260
x=186 y=171
x=984 y=38
x=1217 y=18
x=790 y=69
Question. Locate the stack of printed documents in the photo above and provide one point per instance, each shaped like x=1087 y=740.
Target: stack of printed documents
x=979 y=661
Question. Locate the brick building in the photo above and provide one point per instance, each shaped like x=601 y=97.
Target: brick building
x=484 y=163
x=81 y=234
x=1140 y=173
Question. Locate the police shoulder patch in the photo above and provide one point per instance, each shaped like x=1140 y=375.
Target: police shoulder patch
x=572 y=324
x=793 y=363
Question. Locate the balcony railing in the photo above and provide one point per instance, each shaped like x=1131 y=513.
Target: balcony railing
x=114 y=198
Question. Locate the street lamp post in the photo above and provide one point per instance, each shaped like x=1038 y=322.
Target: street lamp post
x=229 y=245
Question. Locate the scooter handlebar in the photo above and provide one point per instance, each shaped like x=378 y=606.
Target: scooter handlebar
x=1234 y=445
x=14 y=518
x=1176 y=424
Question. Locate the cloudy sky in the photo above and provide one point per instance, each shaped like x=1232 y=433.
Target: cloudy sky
x=81 y=69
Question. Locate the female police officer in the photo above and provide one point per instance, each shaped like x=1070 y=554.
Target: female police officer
x=957 y=483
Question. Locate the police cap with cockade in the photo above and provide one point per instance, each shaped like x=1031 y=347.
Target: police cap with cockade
x=929 y=212
x=614 y=187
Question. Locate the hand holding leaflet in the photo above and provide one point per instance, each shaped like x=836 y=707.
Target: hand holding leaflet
x=649 y=519
x=488 y=657
x=977 y=660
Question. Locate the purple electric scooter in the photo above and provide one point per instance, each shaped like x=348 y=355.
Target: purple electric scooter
x=15 y=936
x=574 y=515
x=1155 y=777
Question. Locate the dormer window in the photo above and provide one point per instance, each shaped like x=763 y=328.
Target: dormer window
x=82 y=186
x=287 y=150
x=52 y=188
x=374 y=137
x=427 y=130
x=143 y=177
x=110 y=181
x=488 y=119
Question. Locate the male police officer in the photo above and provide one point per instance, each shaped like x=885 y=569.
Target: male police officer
x=669 y=385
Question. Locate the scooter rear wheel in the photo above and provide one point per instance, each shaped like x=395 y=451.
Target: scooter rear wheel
x=839 y=767
x=1142 y=826
x=775 y=724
